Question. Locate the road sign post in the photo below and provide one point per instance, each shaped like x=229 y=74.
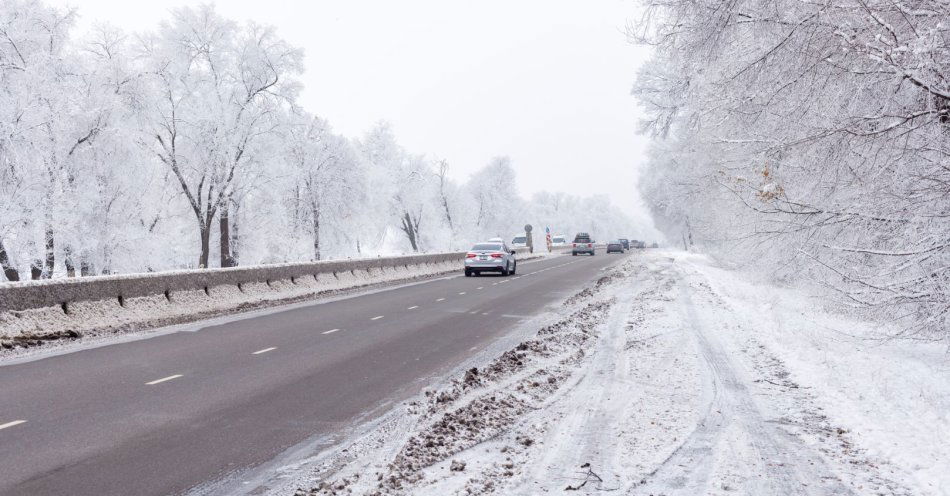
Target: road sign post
x=527 y=233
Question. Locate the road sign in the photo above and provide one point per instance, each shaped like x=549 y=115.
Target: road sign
x=527 y=228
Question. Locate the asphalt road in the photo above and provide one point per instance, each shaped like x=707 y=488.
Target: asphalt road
x=161 y=415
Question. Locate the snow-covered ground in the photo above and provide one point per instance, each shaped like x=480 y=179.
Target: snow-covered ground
x=670 y=376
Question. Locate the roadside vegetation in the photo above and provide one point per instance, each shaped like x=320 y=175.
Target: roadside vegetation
x=808 y=139
x=186 y=147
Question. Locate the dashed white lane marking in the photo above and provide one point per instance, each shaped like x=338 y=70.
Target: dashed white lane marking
x=440 y=299
x=480 y=287
x=494 y=284
x=413 y=307
x=11 y=424
x=331 y=331
x=473 y=348
x=265 y=350
x=163 y=379
x=376 y=317
x=463 y=292
x=474 y=313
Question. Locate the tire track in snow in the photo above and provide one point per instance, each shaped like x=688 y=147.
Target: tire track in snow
x=734 y=447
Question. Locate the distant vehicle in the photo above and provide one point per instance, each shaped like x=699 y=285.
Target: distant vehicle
x=491 y=256
x=496 y=240
x=641 y=245
x=625 y=242
x=519 y=241
x=615 y=247
x=583 y=244
x=559 y=240
x=654 y=245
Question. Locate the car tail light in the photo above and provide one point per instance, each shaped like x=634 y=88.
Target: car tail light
x=573 y=245
x=496 y=255
x=590 y=245
x=470 y=255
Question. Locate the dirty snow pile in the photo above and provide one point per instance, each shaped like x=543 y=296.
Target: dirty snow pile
x=668 y=376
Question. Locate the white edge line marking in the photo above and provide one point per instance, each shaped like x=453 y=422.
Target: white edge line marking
x=11 y=424
x=331 y=331
x=163 y=379
x=413 y=307
x=376 y=317
x=265 y=350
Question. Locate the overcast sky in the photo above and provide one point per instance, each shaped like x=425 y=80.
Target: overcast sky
x=544 y=82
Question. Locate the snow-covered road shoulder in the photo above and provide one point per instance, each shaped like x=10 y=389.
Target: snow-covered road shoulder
x=669 y=376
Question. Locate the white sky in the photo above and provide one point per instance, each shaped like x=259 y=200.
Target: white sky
x=545 y=82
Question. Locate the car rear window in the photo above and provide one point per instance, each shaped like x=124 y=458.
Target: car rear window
x=519 y=239
x=558 y=240
x=582 y=239
x=486 y=247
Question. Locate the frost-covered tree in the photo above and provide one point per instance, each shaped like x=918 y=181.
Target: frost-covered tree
x=115 y=147
x=50 y=119
x=811 y=138
x=218 y=91
x=495 y=200
x=328 y=182
x=403 y=181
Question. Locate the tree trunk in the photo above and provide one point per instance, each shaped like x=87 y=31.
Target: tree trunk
x=9 y=271
x=410 y=229
x=204 y=231
x=224 y=227
x=85 y=268
x=315 y=214
x=50 y=254
x=448 y=214
x=36 y=270
x=235 y=235
x=68 y=261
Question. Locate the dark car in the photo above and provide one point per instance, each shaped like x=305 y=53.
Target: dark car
x=615 y=247
x=625 y=243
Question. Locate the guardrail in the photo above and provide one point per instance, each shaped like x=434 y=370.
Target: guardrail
x=33 y=311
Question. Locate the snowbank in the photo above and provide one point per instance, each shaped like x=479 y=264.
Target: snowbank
x=891 y=397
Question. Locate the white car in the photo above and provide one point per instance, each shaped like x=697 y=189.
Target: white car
x=519 y=242
x=559 y=240
x=491 y=256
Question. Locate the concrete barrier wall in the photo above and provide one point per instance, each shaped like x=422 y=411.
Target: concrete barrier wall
x=33 y=311
x=34 y=294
